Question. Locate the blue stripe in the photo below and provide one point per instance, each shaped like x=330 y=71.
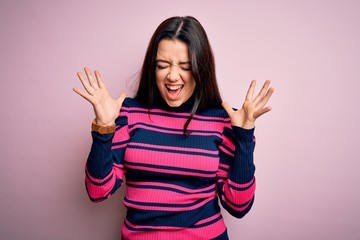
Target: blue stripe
x=243 y=188
x=120 y=143
x=192 y=182
x=169 y=168
x=171 y=129
x=164 y=139
x=108 y=178
x=236 y=205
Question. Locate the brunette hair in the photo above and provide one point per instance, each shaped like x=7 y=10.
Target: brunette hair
x=188 y=30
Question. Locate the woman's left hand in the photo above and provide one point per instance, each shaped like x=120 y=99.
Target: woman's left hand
x=252 y=108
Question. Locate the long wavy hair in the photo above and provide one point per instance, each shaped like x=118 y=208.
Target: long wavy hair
x=188 y=30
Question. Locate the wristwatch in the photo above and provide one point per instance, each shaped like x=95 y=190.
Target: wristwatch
x=102 y=129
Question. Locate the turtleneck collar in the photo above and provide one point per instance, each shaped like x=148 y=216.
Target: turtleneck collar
x=185 y=107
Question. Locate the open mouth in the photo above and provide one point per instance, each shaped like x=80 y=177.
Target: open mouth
x=174 y=90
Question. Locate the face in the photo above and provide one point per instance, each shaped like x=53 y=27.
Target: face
x=174 y=78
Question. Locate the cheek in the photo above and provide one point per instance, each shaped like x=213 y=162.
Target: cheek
x=158 y=79
x=192 y=83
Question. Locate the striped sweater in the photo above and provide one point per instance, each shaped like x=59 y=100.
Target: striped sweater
x=174 y=182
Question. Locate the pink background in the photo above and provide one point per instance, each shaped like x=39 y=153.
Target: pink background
x=307 y=152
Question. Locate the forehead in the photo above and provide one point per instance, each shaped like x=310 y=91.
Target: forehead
x=172 y=50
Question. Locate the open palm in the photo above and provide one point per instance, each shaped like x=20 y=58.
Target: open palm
x=252 y=108
x=105 y=107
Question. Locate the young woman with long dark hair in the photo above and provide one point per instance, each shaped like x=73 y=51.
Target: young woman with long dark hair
x=181 y=149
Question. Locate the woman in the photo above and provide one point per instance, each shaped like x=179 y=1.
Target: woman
x=180 y=148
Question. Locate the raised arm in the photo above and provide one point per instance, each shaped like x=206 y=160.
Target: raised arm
x=235 y=178
x=104 y=166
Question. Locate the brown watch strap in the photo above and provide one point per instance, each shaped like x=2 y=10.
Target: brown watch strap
x=102 y=129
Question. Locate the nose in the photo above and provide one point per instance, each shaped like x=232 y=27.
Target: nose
x=174 y=74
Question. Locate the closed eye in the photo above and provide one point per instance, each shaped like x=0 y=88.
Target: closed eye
x=185 y=67
x=162 y=66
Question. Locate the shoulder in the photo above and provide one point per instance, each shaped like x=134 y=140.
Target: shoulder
x=132 y=103
x=217 y=112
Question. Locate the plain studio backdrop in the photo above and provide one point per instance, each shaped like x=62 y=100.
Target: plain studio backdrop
x=307 y=152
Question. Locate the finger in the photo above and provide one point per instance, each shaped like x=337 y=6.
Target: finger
x=100 y=82
x=227 y=108
x=92 y=80
x=121 y=98
x=262 y=111
x=86 y=83
x=263 y=90
x=265 y=98
x=82 y=93
x=250 y=92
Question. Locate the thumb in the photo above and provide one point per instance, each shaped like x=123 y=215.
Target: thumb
x=227 y=108
x=121 y=98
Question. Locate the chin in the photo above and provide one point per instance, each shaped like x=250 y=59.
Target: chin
x=174 y=104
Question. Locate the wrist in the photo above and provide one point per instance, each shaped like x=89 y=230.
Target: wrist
x=102 y=124
x=243 y=124
x=248 y=125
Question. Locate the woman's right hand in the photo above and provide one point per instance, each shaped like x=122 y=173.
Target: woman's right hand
x=105 y=107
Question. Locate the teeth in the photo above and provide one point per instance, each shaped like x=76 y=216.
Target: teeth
x=173 y=88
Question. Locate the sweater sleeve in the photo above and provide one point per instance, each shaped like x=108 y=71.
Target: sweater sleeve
x=235 y=177
x=104 y=171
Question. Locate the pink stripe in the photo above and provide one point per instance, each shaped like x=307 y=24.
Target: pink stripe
x=224 y=166
x=119 y=171
x=221 y=180
x=226 y=151
x=145 y=110
x=170 y=171
x=241 y=185
x=118 y=165
x=206 y=126
x=239 y=197
x=177 y=187
x=178 y=124
x=174 y=233
x=157 y=120
x=169 y=159
x=208 y=219
x=163 y=208
x=221 y=172
x=119 y=146
x=121 y=134
x=96 y=179
x=228 y=143
x=233 y=207
x=95 y=191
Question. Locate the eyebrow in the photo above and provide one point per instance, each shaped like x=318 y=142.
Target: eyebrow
x=164 y=61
